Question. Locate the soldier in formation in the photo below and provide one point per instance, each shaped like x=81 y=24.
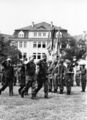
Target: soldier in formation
x=42 y=76
x=31 y=67
x=8 y=76
x=83 y=78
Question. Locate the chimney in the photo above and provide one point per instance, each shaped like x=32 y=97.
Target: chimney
x=33 y=24
x=51 y=23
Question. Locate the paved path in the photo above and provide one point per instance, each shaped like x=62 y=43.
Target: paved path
x=57 y=107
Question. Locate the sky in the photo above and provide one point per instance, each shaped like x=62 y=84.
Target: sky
x=69 y=14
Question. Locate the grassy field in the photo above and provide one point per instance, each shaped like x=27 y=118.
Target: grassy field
x=56 y=107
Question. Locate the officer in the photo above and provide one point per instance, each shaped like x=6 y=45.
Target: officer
x=31 y=67
x=61 y=73
x=83 y=78
x=23 y=80
x=8 y=76
x=42 y=76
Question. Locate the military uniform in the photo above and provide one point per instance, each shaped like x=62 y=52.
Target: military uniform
x=8 y=76
x=23 y=80
x=69 y=77
x=83 y=79
x=61 y=77
x=55 y=77
x=42 y=77
x=31 y=78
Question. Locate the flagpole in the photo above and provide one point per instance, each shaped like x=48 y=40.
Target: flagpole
x=58 y=45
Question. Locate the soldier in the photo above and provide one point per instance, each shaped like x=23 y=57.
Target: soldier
x=55 y=76
x=31 y=77
x=61 y=73
x=8 y=76
x=50 y=79
x=22 y=81
x=42 y=76
x=69 y=77
x=83 y=78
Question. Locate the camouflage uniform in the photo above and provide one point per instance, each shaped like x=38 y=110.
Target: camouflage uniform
x=31 y=78
x=61 y=77
x=23 y=80
x=42 y=77
x=8 y=78
x=83 y=79
x=69 y=77
x=50 y=78
x=55 y=76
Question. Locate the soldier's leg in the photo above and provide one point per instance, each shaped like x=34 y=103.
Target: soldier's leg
x=55 y=84
x=46 y=88
x=11 y=88
x=25 y=89
x=4 y=86
x=61 y=87
x=83 y=86
x=39 y=86
x=50 y=84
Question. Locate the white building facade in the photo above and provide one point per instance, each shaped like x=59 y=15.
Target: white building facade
x=34 y=39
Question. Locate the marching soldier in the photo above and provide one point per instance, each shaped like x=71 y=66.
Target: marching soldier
x=83 y=78
x=31 y=67
x=42 y=77
x=55 y=76
x=8 y=76
x=50 y=78
x=69 y=77
x=22 y=80
x=61 y=76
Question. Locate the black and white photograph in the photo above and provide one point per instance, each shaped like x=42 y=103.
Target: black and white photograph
x=43 y=59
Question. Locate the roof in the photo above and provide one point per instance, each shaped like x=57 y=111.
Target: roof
x=41 y=26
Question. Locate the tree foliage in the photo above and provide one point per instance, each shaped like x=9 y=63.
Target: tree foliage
x=71 y=48
x=6 y=50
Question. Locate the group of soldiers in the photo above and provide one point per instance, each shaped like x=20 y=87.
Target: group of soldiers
x=50 y=75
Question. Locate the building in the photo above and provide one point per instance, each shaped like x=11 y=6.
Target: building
x=35 y=39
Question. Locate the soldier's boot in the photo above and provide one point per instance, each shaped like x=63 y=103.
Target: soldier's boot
x=33 y=96
x=61 y=91
x=46 y=95
x=68 y=92
x=55 y=90
x=22 y=94
x=50 y=90
x=26 y=93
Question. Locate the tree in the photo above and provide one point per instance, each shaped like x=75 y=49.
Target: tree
x=70 y=46
x=6 y=50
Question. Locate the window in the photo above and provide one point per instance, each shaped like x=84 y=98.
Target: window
x=34 y=54
x=44 y=34
x=39 y=45
x=39 y=56
x=43 y=45
x=20 y=44
x=35 y=33
x=21 y=34
x=25 y=44
x=39 y=34
x=34 y=45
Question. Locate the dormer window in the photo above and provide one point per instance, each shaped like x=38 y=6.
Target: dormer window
x=21 y=34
